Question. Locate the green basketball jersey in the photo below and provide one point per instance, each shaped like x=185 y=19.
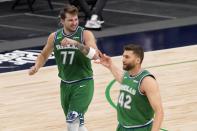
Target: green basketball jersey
x=72 y=64
x=133 y=109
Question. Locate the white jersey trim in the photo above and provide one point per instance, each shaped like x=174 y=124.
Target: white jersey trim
x=137 y=126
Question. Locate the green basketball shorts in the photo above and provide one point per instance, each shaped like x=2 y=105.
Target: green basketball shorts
x=76 y=96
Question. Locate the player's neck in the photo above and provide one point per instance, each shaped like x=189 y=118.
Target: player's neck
x=67 y=32
x=135 y=71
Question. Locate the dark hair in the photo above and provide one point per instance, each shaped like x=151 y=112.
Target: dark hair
x=68 y=9
x=137 y=50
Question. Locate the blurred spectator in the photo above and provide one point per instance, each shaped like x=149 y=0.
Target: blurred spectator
x=94 y=16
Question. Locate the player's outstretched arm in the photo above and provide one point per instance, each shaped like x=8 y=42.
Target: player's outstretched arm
x=43 y=56
x=107 y=62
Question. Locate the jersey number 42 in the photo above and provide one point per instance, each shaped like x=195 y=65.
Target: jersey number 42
x=124 y=100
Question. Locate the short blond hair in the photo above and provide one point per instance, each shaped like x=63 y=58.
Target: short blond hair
x=68 y=9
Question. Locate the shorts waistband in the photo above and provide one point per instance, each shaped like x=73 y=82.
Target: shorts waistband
x=138 y=126
x=76 y=81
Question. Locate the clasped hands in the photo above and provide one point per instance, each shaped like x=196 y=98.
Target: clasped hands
x=67 y=41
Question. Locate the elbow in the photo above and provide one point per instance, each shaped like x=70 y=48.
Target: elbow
x=43 y=57
x=160 y=113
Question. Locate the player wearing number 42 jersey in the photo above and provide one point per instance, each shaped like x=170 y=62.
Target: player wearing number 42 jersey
x=139 y=105
x=73 y=48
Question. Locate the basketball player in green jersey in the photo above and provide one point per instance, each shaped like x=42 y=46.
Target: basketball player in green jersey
x=74 y=66
x=139 y=105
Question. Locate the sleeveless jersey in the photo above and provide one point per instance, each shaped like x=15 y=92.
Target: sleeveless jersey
x=133 y=108
x=72 y=64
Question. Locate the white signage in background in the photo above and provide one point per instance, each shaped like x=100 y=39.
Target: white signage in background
x=19 y=57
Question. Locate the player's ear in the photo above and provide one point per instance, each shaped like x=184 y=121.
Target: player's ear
x=138 y=60
x=62 y=21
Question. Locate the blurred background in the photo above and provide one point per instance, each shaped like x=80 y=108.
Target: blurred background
x=155 y=24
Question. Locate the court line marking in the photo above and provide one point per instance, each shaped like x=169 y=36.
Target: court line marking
x=23 y=28
x=47 y=10
x=175 y=63
x=43 y=16
x=139 y=13
x=5 y=67
x=4 y=0
x=58 y=3
x=24 y=84
x=10 y=15
x=112 y=2
x=167 y=4
x=1 y=40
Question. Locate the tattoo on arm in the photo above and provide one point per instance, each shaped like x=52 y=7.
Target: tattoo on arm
x=82 y=48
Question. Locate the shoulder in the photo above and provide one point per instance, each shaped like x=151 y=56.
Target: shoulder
x=52 y=34
x=148 y=84
x=51 y=38
x=88 y=37
x=87 y=33
x=148 y=79
x=56 y=33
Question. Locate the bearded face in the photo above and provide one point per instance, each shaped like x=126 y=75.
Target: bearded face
x=128 y=66
x=130 y=60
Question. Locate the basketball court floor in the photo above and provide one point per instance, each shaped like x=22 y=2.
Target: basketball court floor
x=32 y=103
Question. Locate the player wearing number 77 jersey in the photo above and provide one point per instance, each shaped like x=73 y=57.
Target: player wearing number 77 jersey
x=73 y=48
x=139 y=105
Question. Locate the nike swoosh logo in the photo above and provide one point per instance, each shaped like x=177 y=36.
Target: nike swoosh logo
x=81 y=85
x=59 y=37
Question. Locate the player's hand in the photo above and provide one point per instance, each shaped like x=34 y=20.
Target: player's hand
x=97 y=55
x=32 y=70
x=105 y=60
x=67 y=41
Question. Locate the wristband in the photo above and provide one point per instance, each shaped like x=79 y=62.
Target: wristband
x=91 y=53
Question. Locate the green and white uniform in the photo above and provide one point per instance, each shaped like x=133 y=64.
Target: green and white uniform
x=75 y=72
x=134 y=110
x=72 y=64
